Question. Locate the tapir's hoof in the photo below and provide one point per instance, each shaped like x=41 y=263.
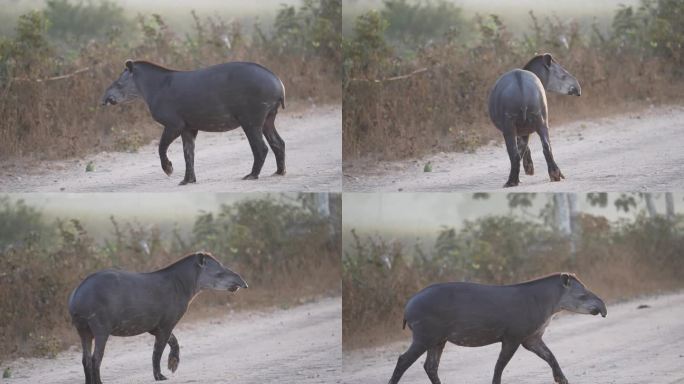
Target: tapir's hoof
x=511 y=184
x=168 y=168
x=187 y=181
x=279 y=173
x=561 y=380
x=529 y=169
x=556 y=175
x=159 y=377
x=173 y=363
x=250 y=177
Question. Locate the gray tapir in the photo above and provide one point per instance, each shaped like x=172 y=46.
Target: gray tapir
x=474 y=315
x=214 y=99
x=119 y=303
x=517 y=107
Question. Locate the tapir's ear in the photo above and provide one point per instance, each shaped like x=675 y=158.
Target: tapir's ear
x=129 y=65
x=547 y=59
x=565 y=279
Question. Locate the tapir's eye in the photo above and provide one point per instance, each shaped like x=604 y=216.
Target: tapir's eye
x=582 y=297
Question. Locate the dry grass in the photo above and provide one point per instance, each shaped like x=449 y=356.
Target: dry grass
x=47 y=116
x=445 y=107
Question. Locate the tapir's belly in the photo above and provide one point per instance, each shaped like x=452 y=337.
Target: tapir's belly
x=469 y=337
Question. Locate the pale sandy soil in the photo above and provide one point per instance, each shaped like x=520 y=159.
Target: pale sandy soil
x=639 y=151
x=313 y=159
x=297 y=345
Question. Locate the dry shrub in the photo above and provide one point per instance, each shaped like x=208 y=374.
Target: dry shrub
x=40 y=266
x=617 y=261
x=398 y=106
x=50 y=105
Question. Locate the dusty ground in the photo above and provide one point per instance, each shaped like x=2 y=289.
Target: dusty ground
x=313 y=141
x=298 y=345
x=629 y=346
x=640 y=151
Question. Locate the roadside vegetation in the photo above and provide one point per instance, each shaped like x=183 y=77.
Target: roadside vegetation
x=57 y=63
x=287 y=250
x=617 y=259
x=417 y=74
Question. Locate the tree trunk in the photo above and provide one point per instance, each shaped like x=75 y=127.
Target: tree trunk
x=650 y=206
x=562 y=214
x=322 y=204
x=575 y=227
x=669 y=205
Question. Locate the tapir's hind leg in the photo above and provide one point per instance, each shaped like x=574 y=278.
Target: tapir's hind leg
x=514 y=157
x=87 y=344
x=98 y=353
x=554 y=172
x=525 y=154
x=254 y=128
x=434 y=354
x=409 y=357
x=275 y=141
x=174 y=355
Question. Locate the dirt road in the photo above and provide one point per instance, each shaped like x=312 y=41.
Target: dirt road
x=641 y=151
x=313 y=140
x=629 y=346
x=298 y=345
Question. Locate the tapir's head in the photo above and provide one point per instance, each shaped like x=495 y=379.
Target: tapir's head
x=213 y=275
x=122 y=89
x=554 y=77
x=577 y=298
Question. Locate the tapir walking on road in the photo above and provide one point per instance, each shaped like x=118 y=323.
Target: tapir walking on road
x=214 y=99
x=474 y=315
x=518 y=108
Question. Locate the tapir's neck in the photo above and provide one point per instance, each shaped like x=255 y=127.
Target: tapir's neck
x=183 y=275
x=537 y=67
x=149 y=80
x=546 y=292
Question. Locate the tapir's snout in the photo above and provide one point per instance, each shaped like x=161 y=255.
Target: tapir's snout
x=107 y=100
x=575 y=91
x=239 y=283
x=599 y=308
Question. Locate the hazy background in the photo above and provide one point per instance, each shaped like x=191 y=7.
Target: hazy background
x=423 y=214
x=165 y=211
x=513 y=13
x=177 y=13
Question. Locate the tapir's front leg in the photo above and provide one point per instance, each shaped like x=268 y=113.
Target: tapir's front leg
x=537 y=346
x=174 y=355
x=188 y=137
x=161 y=338
x=168 y=136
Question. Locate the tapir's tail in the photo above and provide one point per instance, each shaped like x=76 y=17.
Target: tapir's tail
x=403 y=326
x=282 y=98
